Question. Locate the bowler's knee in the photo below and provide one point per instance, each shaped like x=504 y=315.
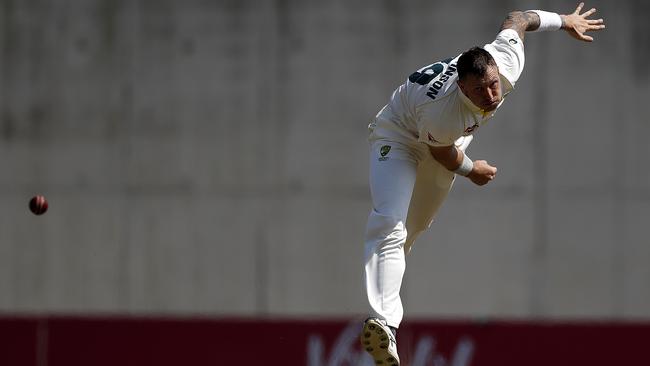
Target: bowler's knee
x=386 y=229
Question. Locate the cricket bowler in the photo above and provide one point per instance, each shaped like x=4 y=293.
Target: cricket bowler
x=417 y=147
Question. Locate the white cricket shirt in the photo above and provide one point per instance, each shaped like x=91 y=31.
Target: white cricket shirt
x=430 y=107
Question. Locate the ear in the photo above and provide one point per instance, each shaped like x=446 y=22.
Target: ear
x=461 y=85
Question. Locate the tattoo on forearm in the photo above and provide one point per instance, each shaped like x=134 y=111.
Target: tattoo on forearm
x=521 y=22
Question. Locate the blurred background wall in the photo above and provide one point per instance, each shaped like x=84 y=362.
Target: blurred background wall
x=210 y=157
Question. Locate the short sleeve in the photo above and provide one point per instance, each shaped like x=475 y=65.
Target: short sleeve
x=508 y=52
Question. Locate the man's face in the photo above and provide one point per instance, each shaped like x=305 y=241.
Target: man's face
x=484 y=91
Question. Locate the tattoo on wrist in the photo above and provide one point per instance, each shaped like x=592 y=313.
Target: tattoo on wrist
x=533 y=20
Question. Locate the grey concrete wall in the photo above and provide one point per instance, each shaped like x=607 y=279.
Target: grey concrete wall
x=209 y=157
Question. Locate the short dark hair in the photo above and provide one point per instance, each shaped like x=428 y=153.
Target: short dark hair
x=474 y=61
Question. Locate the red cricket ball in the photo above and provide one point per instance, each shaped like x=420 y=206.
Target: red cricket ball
x=38 y=205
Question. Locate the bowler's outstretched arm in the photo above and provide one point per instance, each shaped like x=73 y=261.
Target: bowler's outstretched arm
x=575 y=24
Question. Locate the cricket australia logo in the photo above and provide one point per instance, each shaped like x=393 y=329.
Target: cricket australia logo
x=383 y=151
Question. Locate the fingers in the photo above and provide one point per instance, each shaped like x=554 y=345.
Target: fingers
x=579 y=34
x=595 y=21
x=492 y=173
x=588 y=12
x=586 y=38
x=596 y=27
x=579 y=8
x=596 y=24
x=580 y=24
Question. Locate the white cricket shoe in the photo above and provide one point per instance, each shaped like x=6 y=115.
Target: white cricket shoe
x=378 y=340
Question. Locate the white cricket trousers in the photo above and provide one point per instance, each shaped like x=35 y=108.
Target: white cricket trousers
x=408 y=186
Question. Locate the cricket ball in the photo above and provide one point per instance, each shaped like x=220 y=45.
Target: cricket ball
x=38 y=205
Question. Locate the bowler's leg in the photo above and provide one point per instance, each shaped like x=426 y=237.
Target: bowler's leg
x=392 y=177
x=432 y=186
